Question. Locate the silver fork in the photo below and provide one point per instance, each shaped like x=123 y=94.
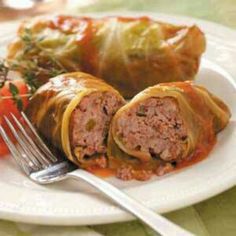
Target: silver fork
x=41 y=166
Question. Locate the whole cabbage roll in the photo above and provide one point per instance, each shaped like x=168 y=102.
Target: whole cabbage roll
x=73 y=113
x=128 y=53
x=164 y=127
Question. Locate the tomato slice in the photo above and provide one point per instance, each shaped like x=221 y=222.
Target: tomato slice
x=8 y=106
x=3 y=149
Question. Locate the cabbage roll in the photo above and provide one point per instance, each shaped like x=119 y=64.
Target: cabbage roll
x=163 y=127
x=128 y=53
x=73 y=113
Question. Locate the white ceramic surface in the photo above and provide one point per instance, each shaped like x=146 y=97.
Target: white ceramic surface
x=74 y=203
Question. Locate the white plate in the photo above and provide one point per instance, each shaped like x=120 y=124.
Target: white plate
x=73 y=203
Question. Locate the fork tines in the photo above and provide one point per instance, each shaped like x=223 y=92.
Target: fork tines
x=30 y=152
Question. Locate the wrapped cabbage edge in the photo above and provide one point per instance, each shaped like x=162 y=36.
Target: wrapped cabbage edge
x=128 y=53
x=73 y=112
x=164 y=127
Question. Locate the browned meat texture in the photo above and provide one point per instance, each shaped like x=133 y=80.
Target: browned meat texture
x=154 y=126
x=90 y=123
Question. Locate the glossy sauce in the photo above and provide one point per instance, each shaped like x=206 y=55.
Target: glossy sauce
x=89 y=50
x=84 y=29
x=129 y=19
x=198 y=155
x=103 y=172
x=67 y=24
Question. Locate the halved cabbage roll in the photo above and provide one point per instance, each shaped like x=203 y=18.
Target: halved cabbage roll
x=73 y=113
x=128 y=53
x=163 y=127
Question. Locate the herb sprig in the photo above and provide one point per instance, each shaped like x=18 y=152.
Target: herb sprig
x=35 y=64
x=15 y=93
x=16 y=96
x=3 y=73
x=32 y=47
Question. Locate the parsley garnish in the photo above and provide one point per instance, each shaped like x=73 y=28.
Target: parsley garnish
x=35 y=64
x=3 y=73
x=16 y=96
x=12 y=88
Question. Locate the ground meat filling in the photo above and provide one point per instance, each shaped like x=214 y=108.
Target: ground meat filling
x=89 y=125
x=154 y=126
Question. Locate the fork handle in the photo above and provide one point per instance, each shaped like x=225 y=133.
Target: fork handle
x=157 y=222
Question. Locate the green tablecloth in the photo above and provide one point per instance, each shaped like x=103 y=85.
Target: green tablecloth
x=214 y=217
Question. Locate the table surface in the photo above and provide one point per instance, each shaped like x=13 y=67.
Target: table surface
x=216 y=216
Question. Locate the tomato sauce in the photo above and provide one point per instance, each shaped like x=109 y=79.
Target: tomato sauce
x=198 y=155
x=88 y=47
x=103 y=172
x=85 y=29
x=130 y=19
